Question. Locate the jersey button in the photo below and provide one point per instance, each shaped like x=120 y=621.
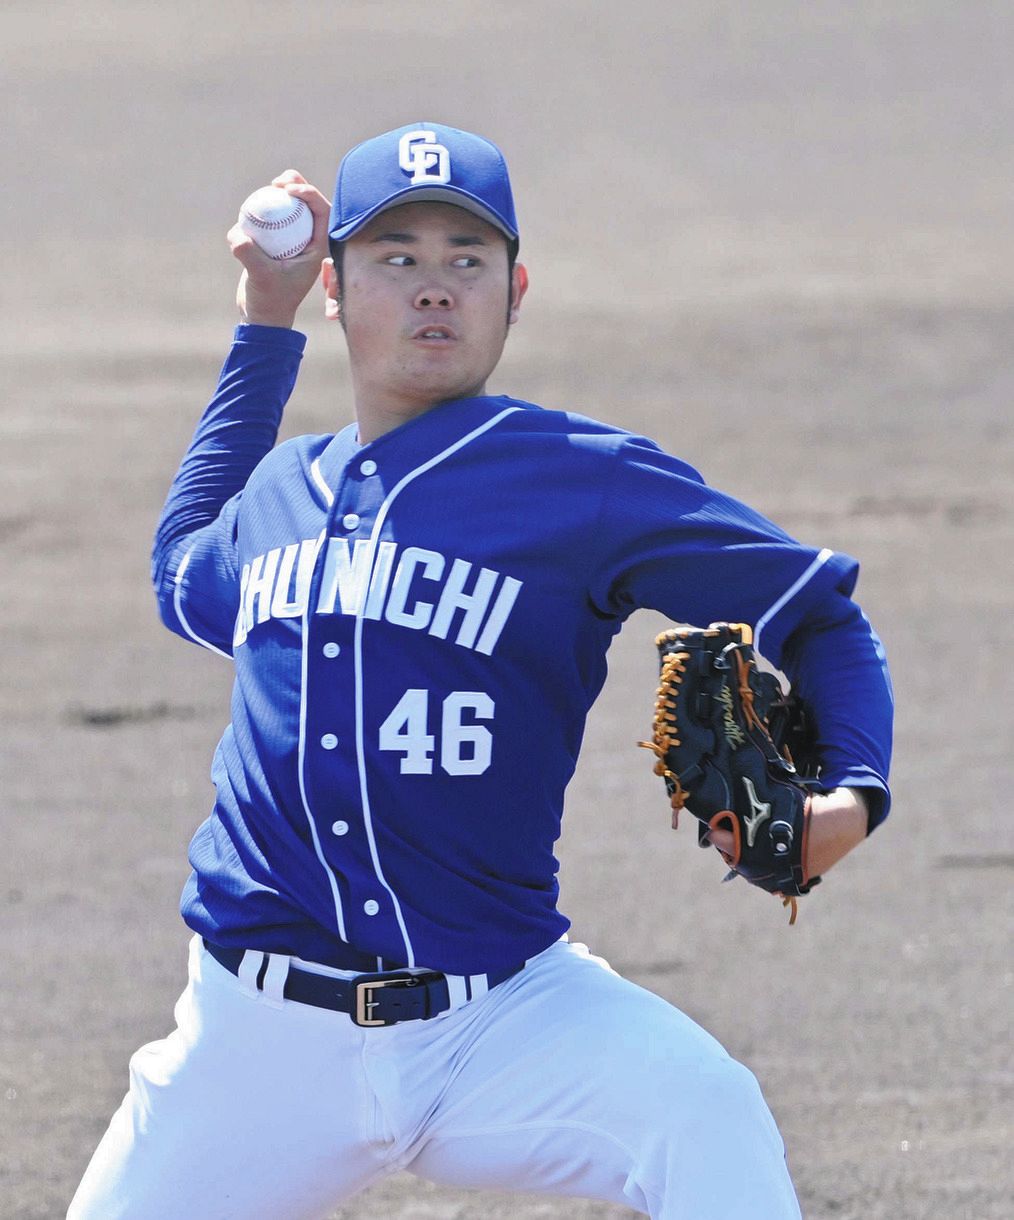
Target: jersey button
x=331 y=650
x=368 y=467
x=351 y=521
x=371 y=906
x=329 y=741
x=340 y=828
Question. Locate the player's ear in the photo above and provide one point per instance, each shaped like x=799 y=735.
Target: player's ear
x=519 y=286
x=332 y=291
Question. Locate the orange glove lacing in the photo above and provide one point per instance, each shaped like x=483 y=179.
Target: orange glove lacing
x=664 y=728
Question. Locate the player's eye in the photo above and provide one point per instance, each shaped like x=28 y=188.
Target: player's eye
x=466 y=260
x=400 y=260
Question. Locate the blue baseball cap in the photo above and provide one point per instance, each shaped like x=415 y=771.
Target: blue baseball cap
x=421 y=163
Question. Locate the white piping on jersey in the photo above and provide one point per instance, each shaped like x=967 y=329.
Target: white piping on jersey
x=329 y=872
x=788 y=595
x=178 y=607
x=358 y=652
x=318 y=478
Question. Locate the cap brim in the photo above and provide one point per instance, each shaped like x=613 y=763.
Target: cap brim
x=426 y=194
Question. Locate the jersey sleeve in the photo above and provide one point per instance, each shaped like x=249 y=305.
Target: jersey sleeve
x=195 y=570
x=671 y=543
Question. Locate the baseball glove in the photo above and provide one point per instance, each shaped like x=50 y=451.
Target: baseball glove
x=734 y=751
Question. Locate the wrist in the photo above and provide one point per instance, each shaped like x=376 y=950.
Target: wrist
x=283 y=320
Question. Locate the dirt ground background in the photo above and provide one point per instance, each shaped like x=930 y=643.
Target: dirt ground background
x=777 y=237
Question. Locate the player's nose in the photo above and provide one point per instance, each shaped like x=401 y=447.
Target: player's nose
x=432 y=296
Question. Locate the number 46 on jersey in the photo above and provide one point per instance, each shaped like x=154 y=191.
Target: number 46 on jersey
x=464 y=747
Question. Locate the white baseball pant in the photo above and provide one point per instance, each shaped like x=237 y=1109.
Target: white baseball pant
x=566 y=1079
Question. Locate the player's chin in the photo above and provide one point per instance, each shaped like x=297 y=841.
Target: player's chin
x=441 y=384
x=449 y=355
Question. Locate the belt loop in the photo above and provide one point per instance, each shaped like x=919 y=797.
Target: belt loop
x=249 y=968
x=273 y=986
x=456 y=990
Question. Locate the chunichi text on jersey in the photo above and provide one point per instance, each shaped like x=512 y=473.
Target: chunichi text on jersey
x=407 y=586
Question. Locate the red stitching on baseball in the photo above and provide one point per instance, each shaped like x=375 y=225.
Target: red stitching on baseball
x=292 y=251
x=274 y=224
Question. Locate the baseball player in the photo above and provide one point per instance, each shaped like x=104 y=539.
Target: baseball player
x=418 y=610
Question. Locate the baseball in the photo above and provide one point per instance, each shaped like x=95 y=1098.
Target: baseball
x=278 y=222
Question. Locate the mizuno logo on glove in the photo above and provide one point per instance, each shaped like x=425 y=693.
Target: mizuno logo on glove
x=761 y=812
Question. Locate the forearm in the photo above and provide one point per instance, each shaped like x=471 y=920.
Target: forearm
x=838 y=823
x=237 y=429
x=241 y=423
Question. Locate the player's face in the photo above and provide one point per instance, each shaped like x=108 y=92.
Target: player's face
x=426 y=301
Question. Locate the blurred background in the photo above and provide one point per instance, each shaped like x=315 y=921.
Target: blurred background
x=776 y=237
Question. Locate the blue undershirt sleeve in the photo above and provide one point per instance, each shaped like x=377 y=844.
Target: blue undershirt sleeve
x=194 y=567
x=836 y=663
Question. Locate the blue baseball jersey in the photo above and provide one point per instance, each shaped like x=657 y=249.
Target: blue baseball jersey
x=419 y=626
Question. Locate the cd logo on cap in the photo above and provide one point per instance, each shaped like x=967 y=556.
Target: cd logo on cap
x=420 y=155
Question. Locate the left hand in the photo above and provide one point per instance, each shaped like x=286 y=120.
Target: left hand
x=838 y=822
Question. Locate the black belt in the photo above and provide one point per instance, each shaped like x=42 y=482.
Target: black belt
x=378 y=999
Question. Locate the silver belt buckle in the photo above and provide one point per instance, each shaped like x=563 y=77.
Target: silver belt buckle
x=365 y=1003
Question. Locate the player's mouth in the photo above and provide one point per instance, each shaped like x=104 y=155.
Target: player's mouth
x=434 y=334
